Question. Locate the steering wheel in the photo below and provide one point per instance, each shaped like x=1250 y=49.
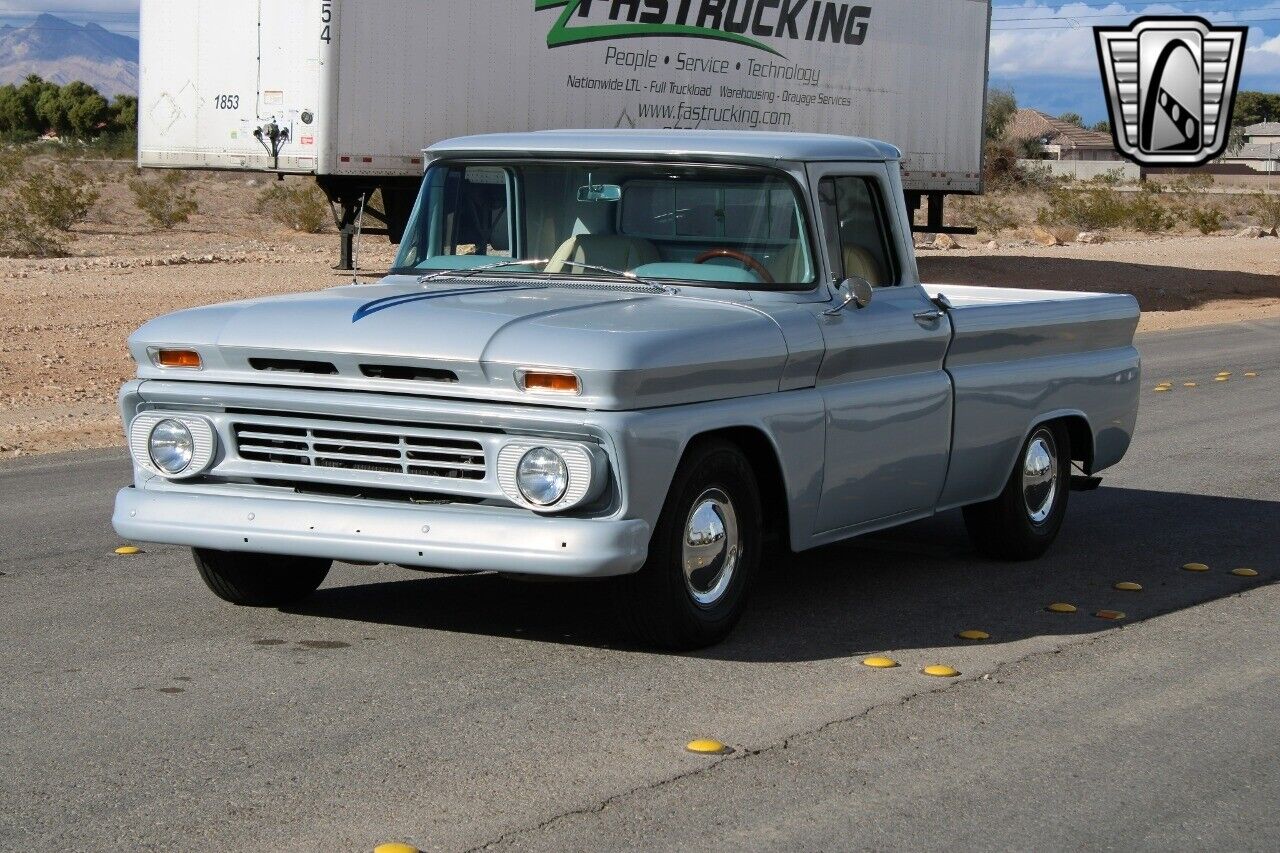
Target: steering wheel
x=741 y=257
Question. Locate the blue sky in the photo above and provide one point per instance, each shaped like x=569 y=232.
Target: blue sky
x=1043 y=50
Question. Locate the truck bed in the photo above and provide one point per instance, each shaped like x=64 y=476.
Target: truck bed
x=1015 y=352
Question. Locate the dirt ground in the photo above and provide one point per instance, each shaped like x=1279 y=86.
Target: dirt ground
x=63 y=323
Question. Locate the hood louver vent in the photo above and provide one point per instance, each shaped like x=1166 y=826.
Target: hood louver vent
x=402 y=371
x=293 y=365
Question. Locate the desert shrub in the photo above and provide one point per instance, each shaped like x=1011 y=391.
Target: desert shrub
x=39 y=204
x=10 y=165
x=302 y=207
x=1146 y=212
x=57 y=197
x=23 y=237
x=1089 y=208
x=1205 y=218
x=1110 y=178
x=1266 y=208
x=990 y=215
x=1097 y=204
x=1194 y=182
x=167 y=201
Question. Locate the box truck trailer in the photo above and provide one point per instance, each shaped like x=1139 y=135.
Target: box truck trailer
x=352 y=92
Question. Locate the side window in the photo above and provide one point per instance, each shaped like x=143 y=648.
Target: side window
x=858 y=241
x=474 y=210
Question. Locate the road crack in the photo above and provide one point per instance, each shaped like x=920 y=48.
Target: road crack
x=744 y=754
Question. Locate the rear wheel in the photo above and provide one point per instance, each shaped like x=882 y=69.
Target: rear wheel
x=703 y=555
x=1024 y=520
x=259 y=580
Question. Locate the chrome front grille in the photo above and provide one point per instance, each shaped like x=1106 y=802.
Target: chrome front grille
x=373 y=448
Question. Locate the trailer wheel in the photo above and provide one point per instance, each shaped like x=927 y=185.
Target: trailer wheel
x=259 y=580
x=1024 y=520
x=703 y=554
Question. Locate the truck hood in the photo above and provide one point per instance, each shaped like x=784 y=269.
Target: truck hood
x=467 y=338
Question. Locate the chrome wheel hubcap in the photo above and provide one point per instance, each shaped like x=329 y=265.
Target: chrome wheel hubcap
x=1040 y=476
x=711 y=547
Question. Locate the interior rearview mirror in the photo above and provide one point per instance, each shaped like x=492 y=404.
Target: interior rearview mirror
x=854 y=290
x=600 y=192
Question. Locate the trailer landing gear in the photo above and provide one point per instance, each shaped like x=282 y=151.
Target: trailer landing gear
x=933 y=224
x=353 y=204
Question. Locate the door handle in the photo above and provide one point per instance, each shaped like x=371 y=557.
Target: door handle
x=928 y=318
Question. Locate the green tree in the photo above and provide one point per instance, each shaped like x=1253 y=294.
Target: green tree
x=1103 y=126
x=1254 y=107
x=13 y=119
x=84 y=109
x=124 y=113
x=1072 y=118
x=1001 y=106
x=30 y=93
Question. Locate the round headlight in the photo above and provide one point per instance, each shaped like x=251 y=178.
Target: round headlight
x=542 y=476
x=171 y=446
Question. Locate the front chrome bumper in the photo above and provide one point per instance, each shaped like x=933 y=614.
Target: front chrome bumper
x=466 y=538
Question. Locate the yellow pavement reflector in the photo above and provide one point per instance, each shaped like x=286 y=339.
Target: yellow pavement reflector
x=1251 y=375
x=941 y=670
x=879 y=662
x=974 y=635
x=1189 y=384
x=1224 y=372
x=395 y=847
x=127 y=550
x=1129 y=586
x=1195 y=567
x=1222 y=379
x=1243 y=572
x=707 y=746
x=1061 y=607
x=1110 y=614
x=1161 y=388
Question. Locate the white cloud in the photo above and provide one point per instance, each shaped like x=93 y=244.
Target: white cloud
x=1264 y=58
x=80 y=8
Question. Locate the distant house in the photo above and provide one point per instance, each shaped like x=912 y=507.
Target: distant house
x=1261 y=148
x=1262 y=133
x=1061 y=140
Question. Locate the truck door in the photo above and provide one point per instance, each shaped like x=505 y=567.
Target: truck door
x=887 y=397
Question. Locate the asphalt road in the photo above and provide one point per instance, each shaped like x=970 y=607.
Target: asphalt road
x=138 y=712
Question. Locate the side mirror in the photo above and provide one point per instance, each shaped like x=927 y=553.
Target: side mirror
x=857 y=292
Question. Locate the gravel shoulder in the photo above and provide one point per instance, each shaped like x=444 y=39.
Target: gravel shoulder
x=64 y=322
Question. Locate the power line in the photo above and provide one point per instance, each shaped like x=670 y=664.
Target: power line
x=1067 y=25
x=1143 y=4
x=1270 y=7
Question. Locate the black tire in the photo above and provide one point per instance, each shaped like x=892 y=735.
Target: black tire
x=259 y=580
x=1006 y=528
x=658 y=602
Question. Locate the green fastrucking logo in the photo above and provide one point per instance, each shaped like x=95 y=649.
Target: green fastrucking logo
x=741 y=22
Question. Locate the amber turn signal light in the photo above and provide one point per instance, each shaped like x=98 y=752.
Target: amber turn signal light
x=178 y=358
x=540 y=380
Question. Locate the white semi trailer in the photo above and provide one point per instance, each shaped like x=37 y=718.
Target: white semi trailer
x=351 y=92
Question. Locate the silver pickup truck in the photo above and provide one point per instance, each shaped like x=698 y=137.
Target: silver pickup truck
x=637 y=355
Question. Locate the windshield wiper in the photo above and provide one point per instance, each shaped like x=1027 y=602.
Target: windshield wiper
x=463 y=273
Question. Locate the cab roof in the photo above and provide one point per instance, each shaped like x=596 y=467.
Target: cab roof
x=732 y=145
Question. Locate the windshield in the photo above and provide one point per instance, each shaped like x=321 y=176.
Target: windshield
x=707 y=225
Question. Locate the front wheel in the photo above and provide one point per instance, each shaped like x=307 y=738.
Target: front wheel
x=1024 y=520
x=259 y=580
x=703 y=555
